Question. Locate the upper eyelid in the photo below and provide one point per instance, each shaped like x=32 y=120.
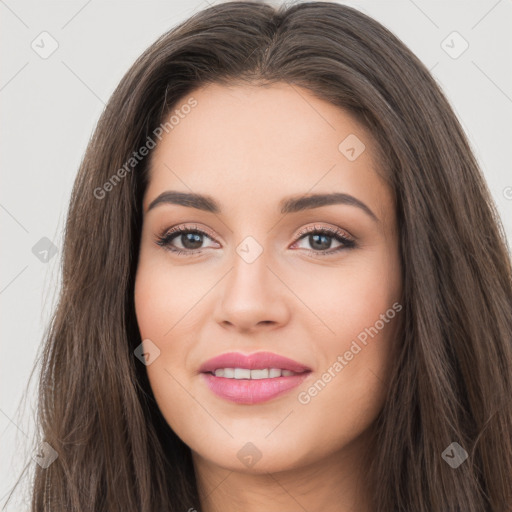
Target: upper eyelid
x=337 y=231
x=182 y=228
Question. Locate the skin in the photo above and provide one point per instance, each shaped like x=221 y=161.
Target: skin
x=248 y=147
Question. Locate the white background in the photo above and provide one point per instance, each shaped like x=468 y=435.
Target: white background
x=49 y=109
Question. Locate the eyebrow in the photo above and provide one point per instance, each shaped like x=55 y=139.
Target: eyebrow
x=289 y=205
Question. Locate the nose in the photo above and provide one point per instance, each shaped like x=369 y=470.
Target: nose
x=253 y=297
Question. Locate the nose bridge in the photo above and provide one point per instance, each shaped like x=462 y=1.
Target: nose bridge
x=252 y=294
x=249 y=280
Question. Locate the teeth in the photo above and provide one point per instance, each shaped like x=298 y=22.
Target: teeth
x=245 y=373
x=242 y=373
x=259 y=374
x=274 y=372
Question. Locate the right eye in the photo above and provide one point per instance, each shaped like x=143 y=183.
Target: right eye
x=190 y=240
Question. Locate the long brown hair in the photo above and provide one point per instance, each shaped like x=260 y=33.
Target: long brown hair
x=452 y=378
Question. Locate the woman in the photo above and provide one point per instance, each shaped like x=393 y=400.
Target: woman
x=285 y=285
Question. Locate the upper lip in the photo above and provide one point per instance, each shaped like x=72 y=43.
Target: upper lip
x=254 y=361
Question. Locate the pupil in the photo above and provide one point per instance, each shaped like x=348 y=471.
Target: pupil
x=316 y=241
x=192 y=240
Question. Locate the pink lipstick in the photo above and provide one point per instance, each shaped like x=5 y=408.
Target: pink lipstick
x=254 y=378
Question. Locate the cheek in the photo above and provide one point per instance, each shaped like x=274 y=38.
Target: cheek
x=351 y=298
x=363 y=311
x=154 y=294
x=159 y=306
x=162 y=297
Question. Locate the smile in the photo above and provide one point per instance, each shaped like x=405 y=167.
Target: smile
x=245 y=373
x=253 y=378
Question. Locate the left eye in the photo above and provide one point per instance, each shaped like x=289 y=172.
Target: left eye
x=191 y=240
x=321 y=240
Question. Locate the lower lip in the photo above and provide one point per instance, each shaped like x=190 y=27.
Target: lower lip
x=249 y=391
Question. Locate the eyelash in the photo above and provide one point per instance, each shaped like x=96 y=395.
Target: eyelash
x=164 y=240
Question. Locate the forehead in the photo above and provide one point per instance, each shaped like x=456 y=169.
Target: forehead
x=263 y=142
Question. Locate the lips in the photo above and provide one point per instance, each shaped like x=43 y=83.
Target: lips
x=255 y=361
x=231 y=376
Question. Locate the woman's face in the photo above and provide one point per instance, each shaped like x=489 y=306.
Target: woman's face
x=261 y=267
